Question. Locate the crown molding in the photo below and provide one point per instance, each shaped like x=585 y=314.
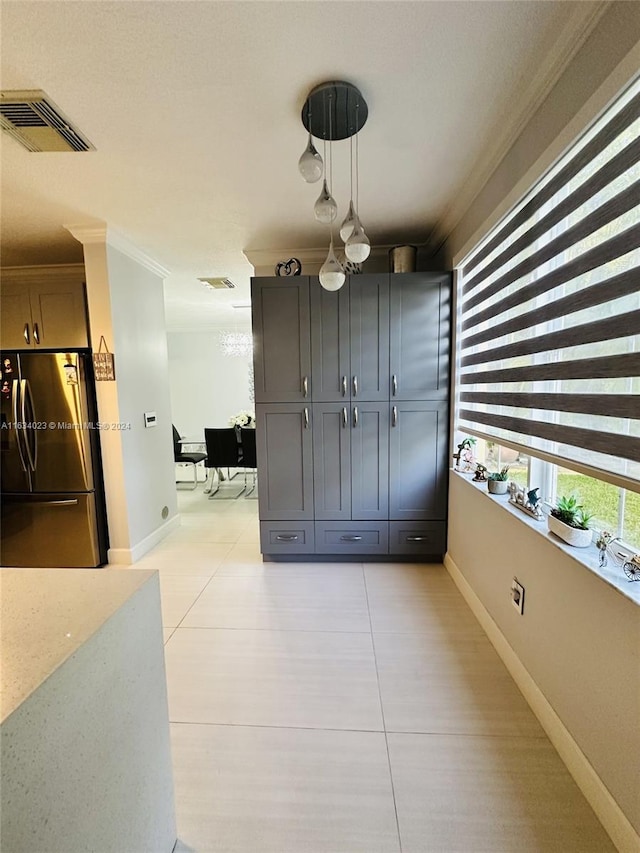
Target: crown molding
x=577 y=29
x=62 y=272
x=311 y=259
x=101 y=233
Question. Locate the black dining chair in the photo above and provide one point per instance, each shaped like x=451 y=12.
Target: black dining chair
x=223 y=451
x=190 y=458
x=249 y=460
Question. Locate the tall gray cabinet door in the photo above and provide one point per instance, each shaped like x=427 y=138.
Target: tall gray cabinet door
x=285 y=461
x=369 y=461
x=332 y=461
x=369 y=304
x=418 y=460
x=281 y=330
x=419 y=339
x=330 y=358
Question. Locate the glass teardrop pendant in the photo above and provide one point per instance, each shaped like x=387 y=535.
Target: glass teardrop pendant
x=346 y=229
x=332 y=275
x=325 y=209
x=310 y=163
x=357 y=247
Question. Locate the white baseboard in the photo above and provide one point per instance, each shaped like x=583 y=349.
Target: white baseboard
x=596 y=793
x=127 y=556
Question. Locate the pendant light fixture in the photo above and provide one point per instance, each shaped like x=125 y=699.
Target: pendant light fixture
x=334 y=111
x=348 y=222
x=310 y=163
x=332 y=275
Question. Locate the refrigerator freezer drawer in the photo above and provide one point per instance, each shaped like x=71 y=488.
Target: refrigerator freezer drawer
x=49 y=531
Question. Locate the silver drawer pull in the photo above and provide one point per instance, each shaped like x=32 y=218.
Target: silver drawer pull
x=305 y=386
x=355 y=416
x=345 y=417
x=394 y=384
x=306 y=418
x=351 y=538
x=355 y=386
x=417 y=539
x=289 y=538
x=344 y=386
x=394 y=416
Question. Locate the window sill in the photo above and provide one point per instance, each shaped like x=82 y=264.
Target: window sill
x=587 y=557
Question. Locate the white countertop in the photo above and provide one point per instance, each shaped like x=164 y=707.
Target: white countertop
x=47 y=614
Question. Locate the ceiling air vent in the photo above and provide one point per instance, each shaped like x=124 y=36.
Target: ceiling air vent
x=35 y=121
x=217 y=283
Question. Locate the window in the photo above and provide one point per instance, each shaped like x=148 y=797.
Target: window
x=548 y=344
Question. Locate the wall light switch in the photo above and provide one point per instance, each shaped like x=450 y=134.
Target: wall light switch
x=517 y=595
x=150 y=419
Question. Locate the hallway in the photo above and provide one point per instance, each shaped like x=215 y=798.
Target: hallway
x=344 y=707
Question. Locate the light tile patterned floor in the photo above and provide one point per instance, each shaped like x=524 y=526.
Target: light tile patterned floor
x=344 y=708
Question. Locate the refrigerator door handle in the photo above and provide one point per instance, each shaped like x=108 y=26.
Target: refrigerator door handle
x=15 y=395
x=30 y=439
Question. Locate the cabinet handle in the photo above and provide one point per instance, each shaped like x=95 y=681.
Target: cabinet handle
x=345 y=419
x=394 y=385
x=344 y=386
x=305 y=386
x=417 y=539
x=351 y=538
x=26 y=333
x=306 y=418
x=283 y=538
x=36 y=333
x=355 y=416
x=355 y=386
x=394 y=416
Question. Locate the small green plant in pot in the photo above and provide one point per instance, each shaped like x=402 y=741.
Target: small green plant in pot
x=569 y=520
x=497 y=482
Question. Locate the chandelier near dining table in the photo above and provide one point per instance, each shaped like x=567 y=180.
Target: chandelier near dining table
x=333 y=111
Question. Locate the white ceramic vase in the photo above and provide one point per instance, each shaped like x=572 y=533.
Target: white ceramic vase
x=571 y=535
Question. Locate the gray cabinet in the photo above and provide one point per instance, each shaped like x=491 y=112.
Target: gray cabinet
x=285 y=461
x=419 y=336
x=418 y=460
x=350 y=461
x=350 y=340
x=281 y=332
x=369 y=336
x=47 y=314
x=352 y=414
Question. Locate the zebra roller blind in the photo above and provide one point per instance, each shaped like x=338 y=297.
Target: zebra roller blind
x=549 y=334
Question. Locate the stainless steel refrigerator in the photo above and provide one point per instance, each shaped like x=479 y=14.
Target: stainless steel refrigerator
x=53 y=510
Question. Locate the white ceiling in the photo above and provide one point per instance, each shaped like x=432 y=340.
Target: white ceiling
x=194 y=109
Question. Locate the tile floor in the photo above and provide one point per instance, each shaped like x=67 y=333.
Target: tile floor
x=345 y=707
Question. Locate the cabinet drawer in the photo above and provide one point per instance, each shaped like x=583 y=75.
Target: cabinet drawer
x=355 y=537
x=417 y=538
x=286 y=537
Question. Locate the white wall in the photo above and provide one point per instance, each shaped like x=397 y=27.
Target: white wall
x=140 y=345
x=579 y=638
x=206 y=386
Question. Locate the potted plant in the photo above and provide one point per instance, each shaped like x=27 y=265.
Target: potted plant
x=497 y=482
x=570 y=522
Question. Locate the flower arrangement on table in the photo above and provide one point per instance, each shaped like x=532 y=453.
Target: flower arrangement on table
x=242 y=419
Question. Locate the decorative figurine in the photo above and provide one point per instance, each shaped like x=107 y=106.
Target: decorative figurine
x=602 y=543
x=290 y=267
x=465 y=461
x=481 y=474
x=528 y=502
